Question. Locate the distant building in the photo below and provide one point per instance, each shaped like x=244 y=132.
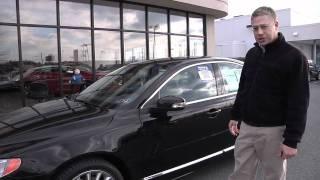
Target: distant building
x=234 y=37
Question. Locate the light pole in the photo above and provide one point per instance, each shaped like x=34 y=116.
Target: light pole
x=154 y=27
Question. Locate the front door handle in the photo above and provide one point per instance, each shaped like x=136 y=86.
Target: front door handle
x=213 y=113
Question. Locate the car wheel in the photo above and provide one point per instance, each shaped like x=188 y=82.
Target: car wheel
x=97 y=169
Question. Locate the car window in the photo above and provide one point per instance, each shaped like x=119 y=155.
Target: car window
x=231 y=76
x=194 y=83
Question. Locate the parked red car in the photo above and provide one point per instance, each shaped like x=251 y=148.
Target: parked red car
x=44 y=80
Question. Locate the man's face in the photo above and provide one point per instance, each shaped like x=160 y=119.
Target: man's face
x=265 y=29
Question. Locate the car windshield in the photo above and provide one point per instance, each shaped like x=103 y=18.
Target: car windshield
x=122 y=86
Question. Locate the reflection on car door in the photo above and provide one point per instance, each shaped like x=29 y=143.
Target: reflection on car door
x=197 y=130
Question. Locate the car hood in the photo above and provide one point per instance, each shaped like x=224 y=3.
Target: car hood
x=51 y=112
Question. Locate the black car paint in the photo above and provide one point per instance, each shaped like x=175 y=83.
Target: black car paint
x=49 y=135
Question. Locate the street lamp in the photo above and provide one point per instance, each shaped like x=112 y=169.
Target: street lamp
x=154 y=27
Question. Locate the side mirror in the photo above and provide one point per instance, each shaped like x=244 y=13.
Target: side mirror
x=171 y=103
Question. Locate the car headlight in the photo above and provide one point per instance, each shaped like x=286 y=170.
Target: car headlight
x=8 y=166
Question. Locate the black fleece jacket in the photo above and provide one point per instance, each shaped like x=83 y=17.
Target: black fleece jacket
x=274 y=89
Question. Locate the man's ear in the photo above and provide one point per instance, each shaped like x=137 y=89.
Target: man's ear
x=276 y=23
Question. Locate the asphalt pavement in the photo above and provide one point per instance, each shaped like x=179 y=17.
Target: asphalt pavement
x=305 y=166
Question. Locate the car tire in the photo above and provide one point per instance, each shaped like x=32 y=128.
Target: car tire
x=95 y=168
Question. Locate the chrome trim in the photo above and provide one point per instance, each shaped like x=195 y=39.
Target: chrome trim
x=234 y=61
x=211 y=98
x=188 y=164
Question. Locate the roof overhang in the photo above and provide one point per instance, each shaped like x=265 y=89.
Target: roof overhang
x=216 y=8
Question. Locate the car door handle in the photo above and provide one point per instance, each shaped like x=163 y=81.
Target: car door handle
x=213 y=113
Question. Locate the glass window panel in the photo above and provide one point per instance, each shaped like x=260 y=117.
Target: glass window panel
x=9 y=58
x=38 y=12
x=76 y=54
x=178 y=46
x=8 y=11
x=9 y=69
x=9 y=44
x=194 y=83
x=158 y=46
x=39 y=45
x=134 y=47
x=134 y=17
x=75 y=13
x=107 y=50
x=178 y=22
x=231 y=76
x=195 y=24
x=106 y=14
x=157 y=20
x=39 y=54
x=196 y=46
x=76 y=45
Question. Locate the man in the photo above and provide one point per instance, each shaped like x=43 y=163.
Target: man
x=271 y=103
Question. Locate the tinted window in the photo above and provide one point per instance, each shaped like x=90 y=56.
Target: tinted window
x=194 y=83
x=231 y=76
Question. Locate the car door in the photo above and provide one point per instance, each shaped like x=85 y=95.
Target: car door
x=198 y=129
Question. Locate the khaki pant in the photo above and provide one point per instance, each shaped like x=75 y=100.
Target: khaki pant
x=259 y=145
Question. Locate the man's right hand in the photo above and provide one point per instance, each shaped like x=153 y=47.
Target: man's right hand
x=233 y=127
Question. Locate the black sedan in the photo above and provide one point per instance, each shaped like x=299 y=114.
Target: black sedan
x=141 y=121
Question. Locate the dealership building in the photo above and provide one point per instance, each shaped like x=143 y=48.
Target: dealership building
x=53 y=37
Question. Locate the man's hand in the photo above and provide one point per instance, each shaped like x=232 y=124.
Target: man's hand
x=233 y=127
x=288 y=152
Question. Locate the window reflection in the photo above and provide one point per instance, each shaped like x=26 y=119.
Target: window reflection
x=107 y=50
x=38 y=12
x=39 y=45
x=178 y=46
x=134 y=47
x=158 y=46
x=8 y=11
x=9 y=62
x=195 y=24
x=106 y=14
x=76 y=46
x=75 y=13
x=194 y=83
x=196 y=46
x=9 y=44
x=76 y=54
x=178 y=22
x=133 y=17
x=157 y=20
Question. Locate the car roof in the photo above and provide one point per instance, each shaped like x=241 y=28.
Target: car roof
x=185 y=60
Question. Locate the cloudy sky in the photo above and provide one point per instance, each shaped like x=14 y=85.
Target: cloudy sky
x=309 y=9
